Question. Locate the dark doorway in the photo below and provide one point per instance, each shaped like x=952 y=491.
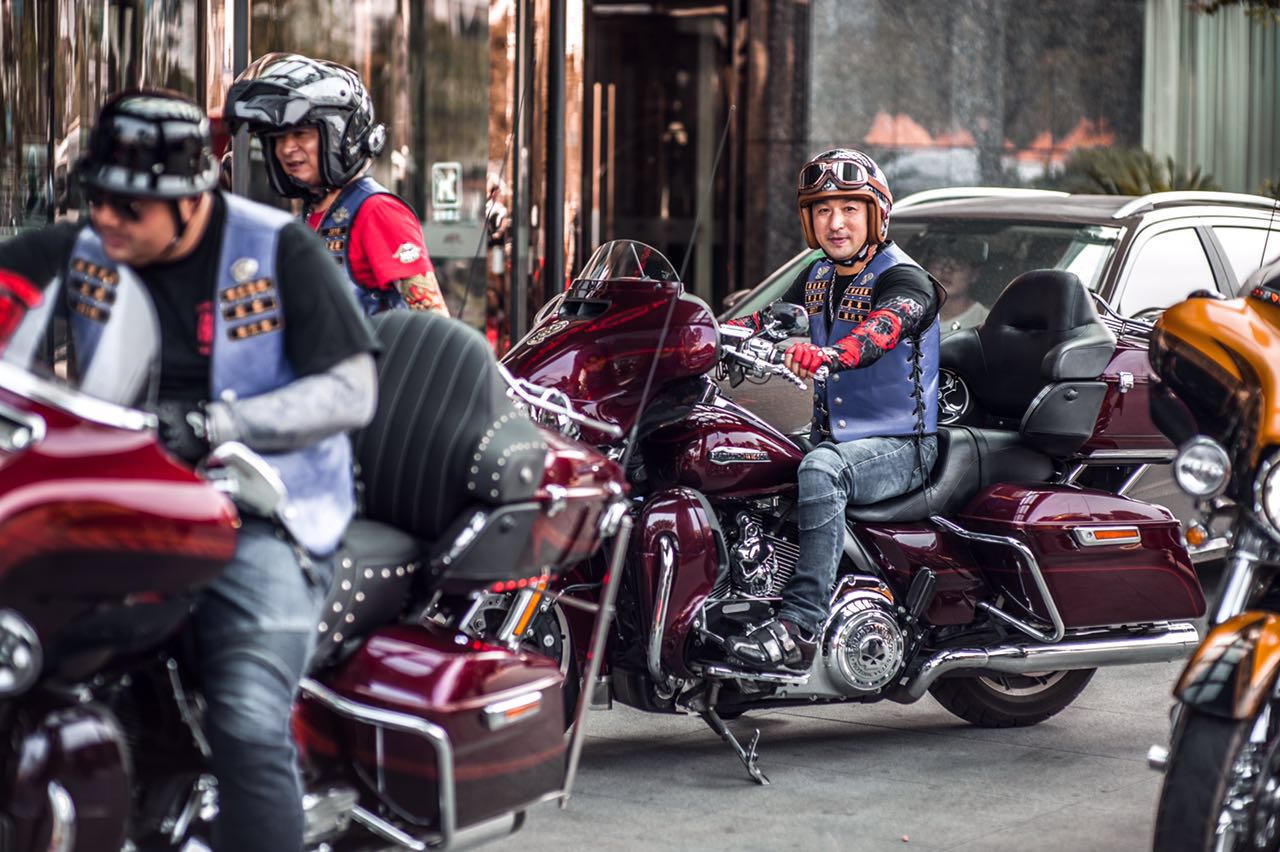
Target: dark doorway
x=658 y=87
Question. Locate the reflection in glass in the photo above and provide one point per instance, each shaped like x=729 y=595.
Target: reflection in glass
x=24 y=151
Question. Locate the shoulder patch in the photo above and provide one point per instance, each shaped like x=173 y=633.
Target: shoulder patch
x=407 y=253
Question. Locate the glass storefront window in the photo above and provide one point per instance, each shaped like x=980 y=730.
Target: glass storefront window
x=25 y=195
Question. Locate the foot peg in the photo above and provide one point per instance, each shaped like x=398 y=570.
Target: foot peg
x=746 y=755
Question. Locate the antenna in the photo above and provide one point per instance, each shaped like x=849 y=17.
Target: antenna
x=1262 y=261
x=671 y=306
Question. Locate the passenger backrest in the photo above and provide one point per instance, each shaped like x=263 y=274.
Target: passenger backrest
x=1042 y=329
x=445 y=437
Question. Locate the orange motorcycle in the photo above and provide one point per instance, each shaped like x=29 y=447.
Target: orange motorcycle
x=1218 y=399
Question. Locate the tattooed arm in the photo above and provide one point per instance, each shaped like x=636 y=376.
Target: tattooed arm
x=422 y=293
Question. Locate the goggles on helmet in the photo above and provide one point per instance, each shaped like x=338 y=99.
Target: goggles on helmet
x=845 y=174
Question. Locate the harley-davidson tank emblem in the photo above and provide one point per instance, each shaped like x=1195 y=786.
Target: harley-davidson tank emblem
x=737 y=455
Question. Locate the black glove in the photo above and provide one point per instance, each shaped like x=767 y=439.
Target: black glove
x=183 y=429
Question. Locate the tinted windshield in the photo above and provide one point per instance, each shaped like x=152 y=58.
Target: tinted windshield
x=627 y=259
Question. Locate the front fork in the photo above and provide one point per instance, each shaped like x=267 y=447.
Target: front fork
x=1235 y=666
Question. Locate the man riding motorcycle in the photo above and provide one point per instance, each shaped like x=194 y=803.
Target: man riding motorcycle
x=260 y=343
x=316 y=125
x=873 y=324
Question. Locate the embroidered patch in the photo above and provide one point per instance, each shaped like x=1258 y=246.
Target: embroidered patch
x=98 y=273
x=407 y=253
x=253 y=329
x=92 y=312
x=334 y=232
x=246 y=290
x=244 y=269
x=94 y=290
x=248 y=309
x=335 y=245
x=341 y=215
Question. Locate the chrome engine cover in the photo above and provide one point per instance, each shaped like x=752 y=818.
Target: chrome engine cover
x=863 y=646
x=862 y=650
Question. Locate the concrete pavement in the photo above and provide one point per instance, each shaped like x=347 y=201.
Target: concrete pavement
x=872 y=777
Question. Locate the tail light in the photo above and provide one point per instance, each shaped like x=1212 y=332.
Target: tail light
x=17 y=296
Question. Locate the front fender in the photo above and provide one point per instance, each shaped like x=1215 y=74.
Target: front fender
x=1234 y=668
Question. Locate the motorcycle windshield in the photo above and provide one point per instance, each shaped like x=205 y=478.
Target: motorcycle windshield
x=627 y=259
x=120 y=331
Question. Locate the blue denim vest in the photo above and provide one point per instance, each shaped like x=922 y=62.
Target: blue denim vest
x=248 y=356
x=890 y=397
x=336 y=232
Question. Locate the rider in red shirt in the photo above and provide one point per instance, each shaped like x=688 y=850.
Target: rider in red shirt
x=316 y=124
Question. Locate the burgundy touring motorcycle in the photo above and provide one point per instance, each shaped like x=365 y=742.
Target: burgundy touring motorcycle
x=410 y=731
x=999 y=587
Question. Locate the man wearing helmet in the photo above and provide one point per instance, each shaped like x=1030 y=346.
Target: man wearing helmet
x=261 y=343
x=316 y=125
x=873 y=353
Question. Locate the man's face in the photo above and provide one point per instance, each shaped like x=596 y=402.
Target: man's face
x=956 y=274
x=134 y=231
x=298 y=152
x=840 y=224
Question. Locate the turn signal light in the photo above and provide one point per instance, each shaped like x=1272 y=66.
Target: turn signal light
x=1196 y=535
x=17 y=296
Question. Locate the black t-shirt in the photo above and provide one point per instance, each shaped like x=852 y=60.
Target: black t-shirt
x=909 y=282
x=322 y=324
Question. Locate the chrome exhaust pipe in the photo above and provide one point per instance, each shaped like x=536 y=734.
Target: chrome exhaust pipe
x=1077 y=650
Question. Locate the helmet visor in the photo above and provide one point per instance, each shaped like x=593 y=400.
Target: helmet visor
x=845 y=174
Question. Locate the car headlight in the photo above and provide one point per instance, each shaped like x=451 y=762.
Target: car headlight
x=20 y=655
x=1202 y=468
x=1266 y=493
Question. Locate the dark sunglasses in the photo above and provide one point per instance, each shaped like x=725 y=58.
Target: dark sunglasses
x=845 y=174
x=125 y=207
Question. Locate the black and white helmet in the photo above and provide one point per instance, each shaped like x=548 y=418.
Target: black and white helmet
x=150 y=144
x=283 y=91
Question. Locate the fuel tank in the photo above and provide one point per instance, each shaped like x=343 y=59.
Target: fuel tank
x=104 y=538
x=722 y=449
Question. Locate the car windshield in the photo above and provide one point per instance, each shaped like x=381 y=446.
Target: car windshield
x=993 y=251
x=997 y=251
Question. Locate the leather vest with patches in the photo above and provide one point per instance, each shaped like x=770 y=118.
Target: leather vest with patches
x=248 y=356
x=897 y=395
x=335 y=230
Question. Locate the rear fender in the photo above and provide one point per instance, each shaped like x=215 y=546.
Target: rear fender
x=1234 y=668
x=682 y=554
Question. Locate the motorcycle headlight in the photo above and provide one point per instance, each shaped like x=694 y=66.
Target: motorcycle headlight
x=20 y=656
x=1202 y=468
x=1266 y=493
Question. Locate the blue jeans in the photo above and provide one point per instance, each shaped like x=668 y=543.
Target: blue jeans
x=255 y=630
x=832 y=476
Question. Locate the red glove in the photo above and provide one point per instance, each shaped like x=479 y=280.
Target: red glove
x=808 y=358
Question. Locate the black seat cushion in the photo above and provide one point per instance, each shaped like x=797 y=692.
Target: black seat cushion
x=445 y=438
x=968 y=461
x=1043 y=328
x=375 y=565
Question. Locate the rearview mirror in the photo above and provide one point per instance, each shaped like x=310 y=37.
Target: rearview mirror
x=787 y=320
x=246 y=478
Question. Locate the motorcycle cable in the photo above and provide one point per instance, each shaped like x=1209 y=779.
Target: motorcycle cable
x=675 y=296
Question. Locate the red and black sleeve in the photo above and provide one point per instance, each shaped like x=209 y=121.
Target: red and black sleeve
x=904 y=306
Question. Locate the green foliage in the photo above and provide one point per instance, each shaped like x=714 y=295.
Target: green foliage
x=1262 y=11
x=1127 y=171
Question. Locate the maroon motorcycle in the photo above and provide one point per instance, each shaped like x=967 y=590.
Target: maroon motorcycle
x=998 y=588
x=410 y=731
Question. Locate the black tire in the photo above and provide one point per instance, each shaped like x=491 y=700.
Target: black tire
x=1010 y=701
x=1195 y=784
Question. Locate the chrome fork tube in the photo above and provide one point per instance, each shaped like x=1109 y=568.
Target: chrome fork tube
x=1239 y=581
x=667 y=567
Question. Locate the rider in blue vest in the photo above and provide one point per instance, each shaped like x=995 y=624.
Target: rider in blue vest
x=261 y=343
x=319 y=136
x=873 y=326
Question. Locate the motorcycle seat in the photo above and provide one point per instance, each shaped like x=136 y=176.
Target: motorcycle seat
x=968 y=460
x=374 y=568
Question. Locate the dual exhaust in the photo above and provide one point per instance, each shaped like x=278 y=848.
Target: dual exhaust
x=1159 y=643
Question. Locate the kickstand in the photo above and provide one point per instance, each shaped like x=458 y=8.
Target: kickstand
x=746 y=755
